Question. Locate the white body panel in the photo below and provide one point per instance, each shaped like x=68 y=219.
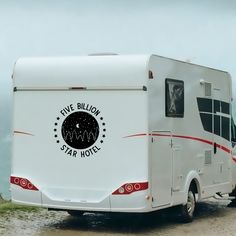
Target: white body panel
x=131 y=144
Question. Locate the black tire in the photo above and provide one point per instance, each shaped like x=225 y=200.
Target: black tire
x=75 y=213
x=233 y=202
x=187 y=210
x=233 y=194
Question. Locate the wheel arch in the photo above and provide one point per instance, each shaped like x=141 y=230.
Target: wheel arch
x=193 y=180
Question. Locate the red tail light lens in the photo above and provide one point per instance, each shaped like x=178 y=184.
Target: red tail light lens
x=23 y=183
x=130 y=188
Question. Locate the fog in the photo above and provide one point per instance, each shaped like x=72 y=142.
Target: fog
x=202 y=32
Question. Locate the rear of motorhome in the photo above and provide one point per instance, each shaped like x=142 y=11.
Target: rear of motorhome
x=120 y=134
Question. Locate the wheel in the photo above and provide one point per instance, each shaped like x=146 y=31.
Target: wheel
x=75 y=213
x=233 y=194
x=187 y=210
x=233 y=202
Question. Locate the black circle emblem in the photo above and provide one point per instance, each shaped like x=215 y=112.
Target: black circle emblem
x=80 y=130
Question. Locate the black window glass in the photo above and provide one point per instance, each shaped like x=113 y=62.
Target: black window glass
x=217 y=125
x=225 y=127
x=206 y=121
x=204 y=104
x=233 y=130
x=225 y=107
x=216 y=106
x=174 y=98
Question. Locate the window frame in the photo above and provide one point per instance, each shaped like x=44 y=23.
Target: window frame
x=168 y=114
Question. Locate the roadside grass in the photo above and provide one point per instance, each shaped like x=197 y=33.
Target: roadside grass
x=7 y=206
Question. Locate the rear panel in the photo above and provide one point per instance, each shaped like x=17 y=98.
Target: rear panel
x=72 y=147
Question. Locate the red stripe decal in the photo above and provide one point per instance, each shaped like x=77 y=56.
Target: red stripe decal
x=194 y=138
x=24 y=133
x=234 y=158
x=225 y=149
x=183 y=137
x=136 y=135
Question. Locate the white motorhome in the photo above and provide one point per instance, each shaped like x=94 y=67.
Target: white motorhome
x=120 y=134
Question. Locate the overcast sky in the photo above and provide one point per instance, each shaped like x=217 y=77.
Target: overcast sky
x=203 y=32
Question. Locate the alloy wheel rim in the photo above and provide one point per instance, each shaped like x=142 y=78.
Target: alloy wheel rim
x=190 y=203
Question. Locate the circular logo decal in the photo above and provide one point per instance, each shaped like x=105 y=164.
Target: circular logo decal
x=80 y=130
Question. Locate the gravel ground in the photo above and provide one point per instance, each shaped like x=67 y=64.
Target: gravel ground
x=212 y=218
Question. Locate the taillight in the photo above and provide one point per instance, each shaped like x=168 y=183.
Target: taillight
x=131 y=187
x=23 y=183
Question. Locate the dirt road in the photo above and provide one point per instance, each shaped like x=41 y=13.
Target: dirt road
x=212 y=218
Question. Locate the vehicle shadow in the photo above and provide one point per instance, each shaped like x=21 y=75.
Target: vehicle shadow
x=137 y=223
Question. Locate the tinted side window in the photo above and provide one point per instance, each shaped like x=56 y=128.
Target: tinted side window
x=233 y=130
x=174 y=98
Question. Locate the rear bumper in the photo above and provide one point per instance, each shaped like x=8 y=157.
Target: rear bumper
x=135 y=202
